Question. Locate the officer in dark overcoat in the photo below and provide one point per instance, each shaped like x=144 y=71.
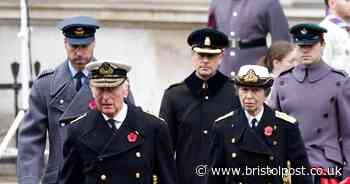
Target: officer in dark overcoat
x=116 y=142
x=190 y=107
x=256 y=140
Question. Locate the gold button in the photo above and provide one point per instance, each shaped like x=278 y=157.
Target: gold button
x=103 y=177
x=274 y=143
x=206 y=97
x=234 y=155
x=205 y=131
x=138 y=154
x=275 y=127
x=271 y=158
x=138 y=175
x=61 y=101
x=233 y=140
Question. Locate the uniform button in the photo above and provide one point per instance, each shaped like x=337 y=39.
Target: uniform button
x=275 y=127
x=271 y=158
x=232 y=33
x=232 y=53
x=325 y=115
x=234 y=155
x=155 y=179
x=282 y=98
x=137 y=175
x=103 y=177
x=100 y=159
x=63 y=124
x=233 y=125
x=240 y=183
x=61 y=101
x=332 y=99
x=234 y=13
x=275 y=143
x=205 y=131
x=206 y=97
x=319 y=130
x=138 y=154
x=338 y=83
x=233 y=140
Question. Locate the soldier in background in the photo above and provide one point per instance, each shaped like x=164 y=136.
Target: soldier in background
x=190 y=107
x=247 y=24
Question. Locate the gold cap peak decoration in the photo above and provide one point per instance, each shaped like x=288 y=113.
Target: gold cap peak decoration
x=105 y=69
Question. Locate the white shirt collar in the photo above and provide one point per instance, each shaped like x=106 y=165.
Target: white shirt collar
x=73 y=71
x=257 y=117
x=120 y=117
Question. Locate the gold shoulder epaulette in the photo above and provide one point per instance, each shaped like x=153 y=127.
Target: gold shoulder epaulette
x=78 y=118
x=225 y=116
x=285 y=117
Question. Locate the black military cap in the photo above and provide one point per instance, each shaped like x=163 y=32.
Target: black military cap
x=307 y=34
x=107 y=73
x=208 y=41
x=79 y=30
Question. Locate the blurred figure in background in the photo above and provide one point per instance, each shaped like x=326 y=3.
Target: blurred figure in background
x=247 y=23
x=280 y=57
x=337 y=49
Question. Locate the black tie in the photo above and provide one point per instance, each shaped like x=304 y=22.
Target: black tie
x=306 y=72
x=254 y=124
x=78 y=77
x=111 y=123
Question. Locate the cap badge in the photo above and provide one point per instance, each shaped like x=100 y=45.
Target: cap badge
x=105 y=69
x=250 y=77
x=303 y=31
x=207 y=41
x=79 y=31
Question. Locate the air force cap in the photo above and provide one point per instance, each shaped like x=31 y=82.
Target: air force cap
x=79 y=30
x=207 y=41
x=307 y=34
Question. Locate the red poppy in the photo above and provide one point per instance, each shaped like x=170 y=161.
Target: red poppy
x=346 y=181
x=92 y=104
x=268 y=130
x=132 y=137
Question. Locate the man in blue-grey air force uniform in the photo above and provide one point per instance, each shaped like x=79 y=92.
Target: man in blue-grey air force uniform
x=256 y=139
x=57 y=95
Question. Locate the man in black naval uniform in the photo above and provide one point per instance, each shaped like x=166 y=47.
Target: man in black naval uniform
x=190 y=107
x=116 y=142
x=256 y=140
